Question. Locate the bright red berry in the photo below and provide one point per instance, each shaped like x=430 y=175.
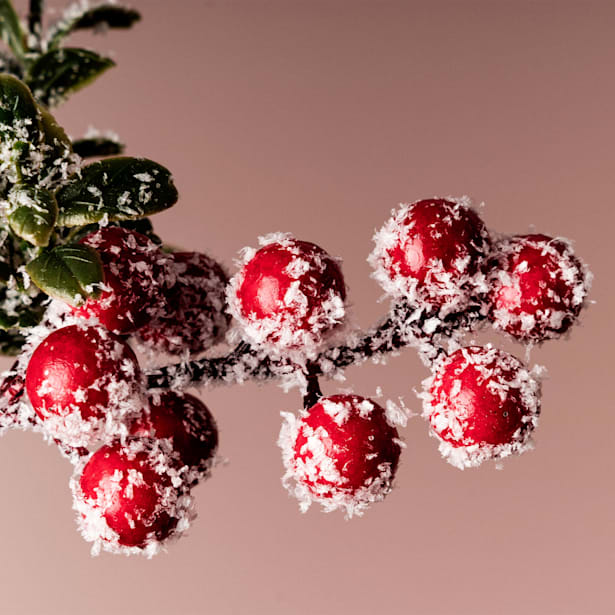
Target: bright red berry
x=134 y=272
x=81 y=381
x=482 y=403
x=434 y=253
x=288 y=294
x=195 y=318
x=187 y=422
x=342 y=452
x=538 y=287
x=130 y=495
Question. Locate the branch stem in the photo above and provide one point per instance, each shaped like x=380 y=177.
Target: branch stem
x=403 y=327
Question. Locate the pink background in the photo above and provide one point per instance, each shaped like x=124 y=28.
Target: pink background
x=318 y=118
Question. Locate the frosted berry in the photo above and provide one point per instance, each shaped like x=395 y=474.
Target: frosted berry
x=288 y=294
x=130 y=496
x=341 y=452
x=482 y=403
x=434 y=253
x=81 y=381
x=134 y=272
x=187 y=422
x=195 y=318
x=538 y=287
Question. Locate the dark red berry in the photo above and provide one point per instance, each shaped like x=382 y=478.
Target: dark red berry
x=538 y=287
x=134 y=272
x=195 y=317
x=186 y=421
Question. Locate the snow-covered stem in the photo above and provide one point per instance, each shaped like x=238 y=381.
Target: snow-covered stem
x=313 y=392
x=404 y=326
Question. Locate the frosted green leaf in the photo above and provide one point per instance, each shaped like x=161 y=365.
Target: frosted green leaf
x=71 y=273
x=19 y=114
x=116 y=189
x=101 y=16
x=60 y=72
x=32 y=213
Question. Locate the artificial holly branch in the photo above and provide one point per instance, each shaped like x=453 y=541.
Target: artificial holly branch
x=84 y=281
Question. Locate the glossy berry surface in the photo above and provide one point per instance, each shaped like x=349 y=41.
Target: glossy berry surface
x=537 y=289
x=288 y=294
x=195 y=317
x=342 y=449
x=134 y=274
x=77 y=369
x=432 y=251
x=124 y=485
x=483 y=398
x=186 y=421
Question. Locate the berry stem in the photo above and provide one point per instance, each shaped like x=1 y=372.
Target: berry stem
x=313 y=393
x=404 y=326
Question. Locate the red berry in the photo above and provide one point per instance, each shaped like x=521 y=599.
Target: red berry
x=482 y=403
x=341 y=452
x=434 y=253
x=538 y=288
x=80 y=381
x=288 y=294
x=195 y=318
x=187 y=422
x=130 y=495
x=134 y=271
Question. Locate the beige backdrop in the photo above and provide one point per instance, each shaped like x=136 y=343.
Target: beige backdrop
x=317 y=118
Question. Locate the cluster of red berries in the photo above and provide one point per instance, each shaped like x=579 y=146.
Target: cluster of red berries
x=439 y=257
x=138 y=453
x=438 y=254
x=288 y=299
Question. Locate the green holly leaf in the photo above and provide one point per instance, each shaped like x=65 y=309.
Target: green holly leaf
x=19 y=114
x=97 y=146
x=71 y=273
x=53 y=134
x=60 y=72
x=116 y=189
x=10 y=29
x=101 y=16
x=32 y=213
x=20 y=128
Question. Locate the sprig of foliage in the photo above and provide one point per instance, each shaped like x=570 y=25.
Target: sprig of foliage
x=49 y=198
